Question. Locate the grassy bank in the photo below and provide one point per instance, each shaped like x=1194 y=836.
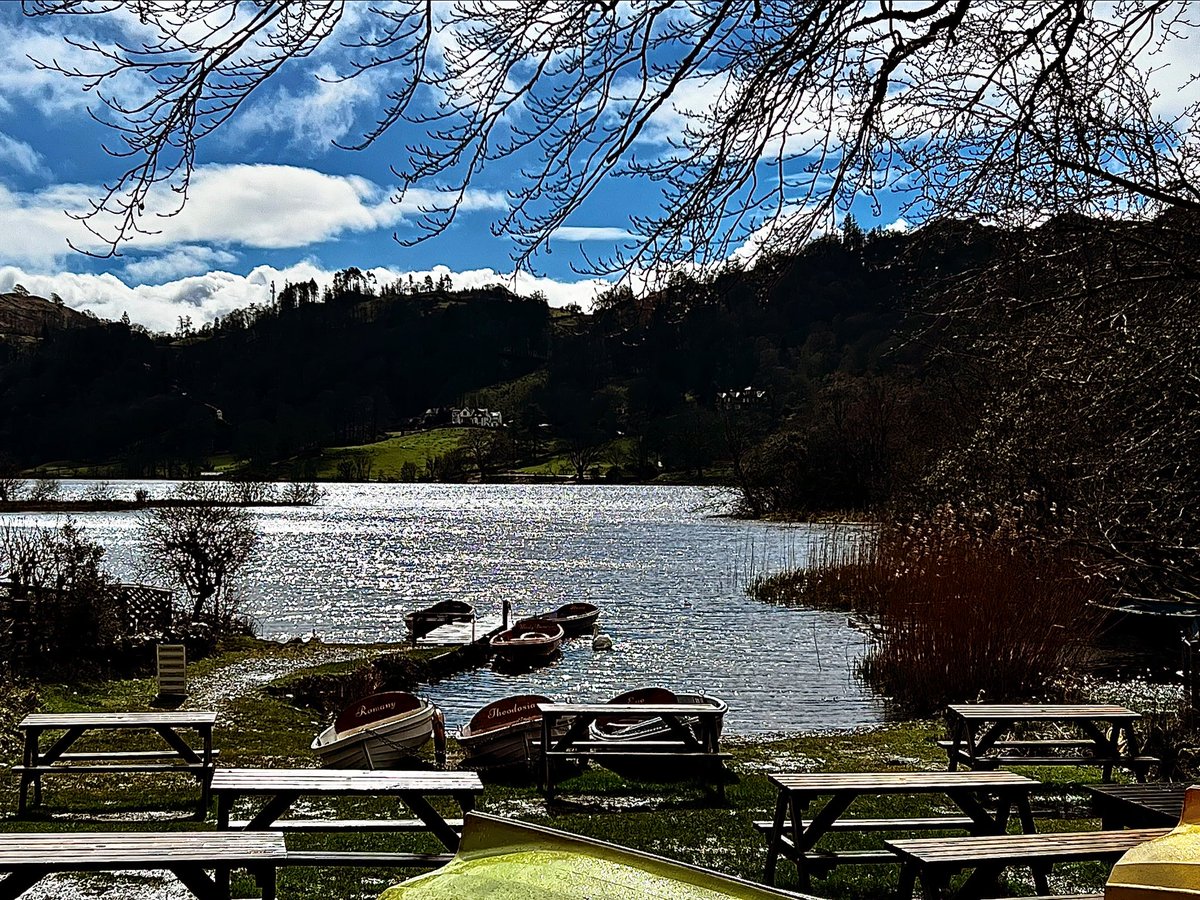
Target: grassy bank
x=259 y=725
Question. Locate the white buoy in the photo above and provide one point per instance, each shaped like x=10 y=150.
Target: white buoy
x=600 y=641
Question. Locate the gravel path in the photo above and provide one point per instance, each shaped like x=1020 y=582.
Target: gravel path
x=219 y=688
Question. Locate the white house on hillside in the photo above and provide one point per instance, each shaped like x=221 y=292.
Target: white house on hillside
x=481 y=418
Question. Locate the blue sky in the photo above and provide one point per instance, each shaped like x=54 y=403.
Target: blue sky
x=272 y=199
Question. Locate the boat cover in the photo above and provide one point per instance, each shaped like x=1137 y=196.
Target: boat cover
x=504 y=860
x=1166 y=868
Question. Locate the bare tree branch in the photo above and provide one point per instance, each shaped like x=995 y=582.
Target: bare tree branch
x=751 y=118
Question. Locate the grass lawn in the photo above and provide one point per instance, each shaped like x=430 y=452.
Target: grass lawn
x=389 y=455
x=679 y=820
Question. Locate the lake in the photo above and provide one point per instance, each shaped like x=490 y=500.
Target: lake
x=667 y=569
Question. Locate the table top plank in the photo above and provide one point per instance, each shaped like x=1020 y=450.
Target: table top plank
x=1040 y=712
x=1162 y=799
x=155 y=850
x=170 y=718
x=626 y=709
x=897 y=782
x=1020 y=847
x=342 y=781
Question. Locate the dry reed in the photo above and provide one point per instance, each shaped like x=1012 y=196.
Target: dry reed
x=954 y=617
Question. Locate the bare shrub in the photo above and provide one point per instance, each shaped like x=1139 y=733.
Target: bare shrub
x=201 y=544
x=74 y=615
x=302 y=494
x=45 y=490
x=248 y=493
x=100 y=492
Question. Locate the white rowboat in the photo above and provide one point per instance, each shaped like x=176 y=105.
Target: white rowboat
x=377 y=732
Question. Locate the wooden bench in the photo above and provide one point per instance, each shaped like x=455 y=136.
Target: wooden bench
x=693 y=729
x=1139 y=765
x=793 y=836
x=177 y=756
x=935 y=860
x=279 y=789
x=29 y=857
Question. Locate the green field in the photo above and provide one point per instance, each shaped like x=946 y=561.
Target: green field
x=388 y=456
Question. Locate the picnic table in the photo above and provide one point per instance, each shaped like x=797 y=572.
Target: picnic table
x=935 y=860
x=28 y=857
x=984 y=735
x=178 y=756
x=279 y=789
x=693 y=737
x=1138 y=805
x=793 y=836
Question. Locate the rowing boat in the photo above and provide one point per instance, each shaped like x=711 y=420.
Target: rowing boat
x=499 y=859
x=502 y=733
x=529 y=642
x=575 y=618
x=445 y=612
x=377 y=732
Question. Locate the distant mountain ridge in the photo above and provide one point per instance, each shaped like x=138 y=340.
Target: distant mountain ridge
x=28 y=316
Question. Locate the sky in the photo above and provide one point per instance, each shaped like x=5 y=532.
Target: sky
x=272 y=200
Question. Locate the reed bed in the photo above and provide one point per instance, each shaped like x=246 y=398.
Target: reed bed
x=953 y=616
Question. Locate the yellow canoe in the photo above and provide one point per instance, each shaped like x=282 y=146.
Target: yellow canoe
x=1167 y=868
x=500 y=859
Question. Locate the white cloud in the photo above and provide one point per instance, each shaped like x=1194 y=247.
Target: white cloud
x=259 y=206
x=19 y=154
x=317 y=115
x=186 y=260
x=49 y=92
x=590 y=233
x=202 y=297
x=269 y=206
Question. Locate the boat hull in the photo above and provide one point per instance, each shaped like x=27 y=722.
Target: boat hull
x=649 y=731
x=499 y=859
x=502 y=734
x=532 y=642
x=505 y=748
x=575 y=618
x=385 y=744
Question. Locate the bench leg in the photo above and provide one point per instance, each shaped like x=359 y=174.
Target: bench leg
x=205 y=794
x=908 y=881
x=266 y=880
x=1041 y=878
x=774 y=842
x=983 y=881
x=17 y=883
x=196 y=880
x=933 y=885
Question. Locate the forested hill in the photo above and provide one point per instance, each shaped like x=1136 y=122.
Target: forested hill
x=815 y=336
x=26 y=316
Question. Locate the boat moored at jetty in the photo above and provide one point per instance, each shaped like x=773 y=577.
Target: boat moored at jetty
x=379 y=731
x=529 y=642
x=575 y=618
x=445 y=612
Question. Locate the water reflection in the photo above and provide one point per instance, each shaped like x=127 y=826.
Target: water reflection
x=667 y=574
